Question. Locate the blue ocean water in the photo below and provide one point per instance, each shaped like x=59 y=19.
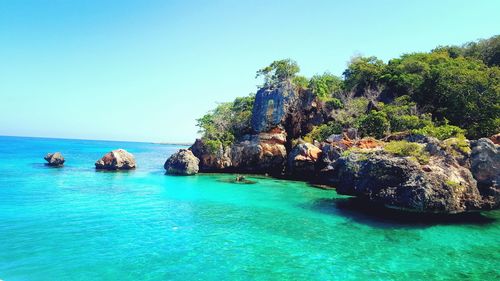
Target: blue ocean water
x=75 y=223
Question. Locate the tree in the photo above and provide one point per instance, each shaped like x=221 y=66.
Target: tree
x=363 y=72
x=278 y=71
x=326 y=85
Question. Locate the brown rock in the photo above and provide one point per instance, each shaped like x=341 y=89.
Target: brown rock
x=495 y=138
x=118 y=159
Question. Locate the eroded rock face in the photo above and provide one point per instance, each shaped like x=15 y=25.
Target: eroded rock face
x=272 y=105
x=54 y=159
x=118 y=159
x=296 y=111
x=261 y=153
x=485 y=166
x=485 y=162
x=402 y=183
x=302 y=160
x=183 y=162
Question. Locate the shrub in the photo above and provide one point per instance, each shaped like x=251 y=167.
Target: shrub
x=407 y=149
x=323 y=131
x=440 y=132
x=325 y=86
x=374 y=124
x=334 y=103
x=458 y=143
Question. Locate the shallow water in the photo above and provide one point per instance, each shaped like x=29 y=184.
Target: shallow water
x=74 y=223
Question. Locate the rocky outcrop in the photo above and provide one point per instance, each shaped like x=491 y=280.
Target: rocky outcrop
x=284 y=106
x=261 y=153
x=118 y=159
x=443 y=185
x=218 y=160
x=182 y=162
x=485 y=167
x=272 y=105
x=402 y=183
x=54 y=159
x=302 y=160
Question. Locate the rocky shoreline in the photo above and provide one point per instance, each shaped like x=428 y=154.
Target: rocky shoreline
x=403 y=171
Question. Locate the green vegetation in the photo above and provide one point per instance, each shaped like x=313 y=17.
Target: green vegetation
x=408 y=149
x=458 y=143
x=440 y=132
x=226 y=122
x=453 y=184
x=486 y=50
x=278 y=71
x=326 y=86
x=363 y=73
x=323 y=131
x=452 y=91
x=374 y=124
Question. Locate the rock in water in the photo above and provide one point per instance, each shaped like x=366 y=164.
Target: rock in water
x=54 y=159
x=211 y=160
x=182 y=162
x=261 y=153
x=402 y=183
x=118 y=159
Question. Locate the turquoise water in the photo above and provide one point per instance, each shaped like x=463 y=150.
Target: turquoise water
x=74 y=223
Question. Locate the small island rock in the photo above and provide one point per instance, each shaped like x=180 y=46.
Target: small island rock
x=182 y=162
x=118 y=159
x=54 y=159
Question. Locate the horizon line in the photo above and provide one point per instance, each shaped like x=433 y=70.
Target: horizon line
x=82 y=139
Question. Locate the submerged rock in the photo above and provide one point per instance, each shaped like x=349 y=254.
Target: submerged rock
x=54 y=159
x=118 y=159
x=182 y=162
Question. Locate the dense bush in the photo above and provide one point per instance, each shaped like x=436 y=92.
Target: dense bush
x=440 y=132
x=374 y=124
x=325 y=86
x=363 y=72
x=460 y=89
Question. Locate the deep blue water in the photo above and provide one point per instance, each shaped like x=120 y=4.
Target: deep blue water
x=75 y=223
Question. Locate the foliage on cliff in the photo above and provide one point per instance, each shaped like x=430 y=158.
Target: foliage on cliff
x=435 y=93
x=226 y=122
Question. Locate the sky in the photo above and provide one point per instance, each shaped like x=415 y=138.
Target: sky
x=145 y=70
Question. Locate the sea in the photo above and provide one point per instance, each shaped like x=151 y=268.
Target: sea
x=76 y=223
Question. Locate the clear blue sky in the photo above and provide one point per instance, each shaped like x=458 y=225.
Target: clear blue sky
x=145 y=70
